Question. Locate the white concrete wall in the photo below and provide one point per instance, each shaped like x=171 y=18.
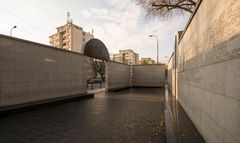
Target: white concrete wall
x=171 y=74
x=208 y=70
x=117 y=75
x=31 y=72
x=148 y=75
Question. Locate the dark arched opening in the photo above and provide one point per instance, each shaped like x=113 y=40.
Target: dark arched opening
x=95 y=48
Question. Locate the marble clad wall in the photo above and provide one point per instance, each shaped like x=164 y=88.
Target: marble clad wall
x=208 y=58
x=117 y=75
x=149 y=75
x=31 y=72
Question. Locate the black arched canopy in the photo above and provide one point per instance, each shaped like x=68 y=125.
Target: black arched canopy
x=95 y=48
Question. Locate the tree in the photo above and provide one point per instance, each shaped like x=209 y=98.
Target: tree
x=166 y=8
x=99 y=67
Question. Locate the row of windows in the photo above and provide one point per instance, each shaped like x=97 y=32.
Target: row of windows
x=66 y=43
x=66 y=47
x=54 y=41
x=64 y=29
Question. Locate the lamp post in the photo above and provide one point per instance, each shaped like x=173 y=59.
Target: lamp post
x=166 y=57
x=157 y=45
x=12 y=30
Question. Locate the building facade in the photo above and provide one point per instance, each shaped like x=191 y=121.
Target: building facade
x=126 y=56
x=70 y=37
x=147 y=61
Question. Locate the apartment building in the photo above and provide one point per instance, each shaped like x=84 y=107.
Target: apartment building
x=126 y=56
x=70 y=37
x=147 y=61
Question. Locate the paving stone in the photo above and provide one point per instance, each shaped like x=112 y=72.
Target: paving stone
x=125 y=116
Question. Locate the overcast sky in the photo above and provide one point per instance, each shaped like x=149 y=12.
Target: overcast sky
x=120 y=24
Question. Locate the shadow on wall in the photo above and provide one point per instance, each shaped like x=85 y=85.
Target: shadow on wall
x=207 y=73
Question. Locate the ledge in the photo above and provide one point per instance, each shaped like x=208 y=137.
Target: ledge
x=13 y=109
x=118 y=89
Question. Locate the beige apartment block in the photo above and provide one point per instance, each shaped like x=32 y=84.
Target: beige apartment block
x=70 y=37
x=147 y=61
x=126 y=56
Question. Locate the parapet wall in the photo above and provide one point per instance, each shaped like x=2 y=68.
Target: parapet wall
x=208 y=65
x=148 y=75
x=32 y=72
x=117 y=75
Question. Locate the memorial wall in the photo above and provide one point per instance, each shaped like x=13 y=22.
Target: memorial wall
x=117 y=76
x=171 y=74
x=208 y=65
x=32 y=72
x=149 y=75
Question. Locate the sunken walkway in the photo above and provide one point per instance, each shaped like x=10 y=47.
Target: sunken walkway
x=136 y=115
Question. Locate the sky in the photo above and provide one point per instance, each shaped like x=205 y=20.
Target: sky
x=120 y=24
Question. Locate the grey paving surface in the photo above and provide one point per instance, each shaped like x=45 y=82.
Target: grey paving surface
x=134 y=115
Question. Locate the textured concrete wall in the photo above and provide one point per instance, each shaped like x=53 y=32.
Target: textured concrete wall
x=171 y=74
x=117 y=75
x=148 y=75
x=31 y=72
x=208 y=70
x=173 y=67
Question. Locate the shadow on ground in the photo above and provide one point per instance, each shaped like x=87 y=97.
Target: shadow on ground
x=136 y=115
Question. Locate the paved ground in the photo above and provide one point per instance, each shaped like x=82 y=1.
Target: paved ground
x=134 y=115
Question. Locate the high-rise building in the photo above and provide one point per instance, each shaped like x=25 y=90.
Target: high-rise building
x=127 y=57
x=147 y=61
x=70 y=37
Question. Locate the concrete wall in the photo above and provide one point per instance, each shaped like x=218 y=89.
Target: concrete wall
x=31 y=72
x=171 y=74
x=208 y=57
x=148 y=75
x=173 y=67
x=117 y=75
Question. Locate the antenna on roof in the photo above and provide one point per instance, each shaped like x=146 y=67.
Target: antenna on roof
x=92 y=31
x=68 y=17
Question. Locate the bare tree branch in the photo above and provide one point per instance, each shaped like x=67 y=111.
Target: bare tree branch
x=99 y=67
x=166 y=8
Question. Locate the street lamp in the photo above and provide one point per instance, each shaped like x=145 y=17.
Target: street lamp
x=157 y=44
x=166 y=57
x=12 y=30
